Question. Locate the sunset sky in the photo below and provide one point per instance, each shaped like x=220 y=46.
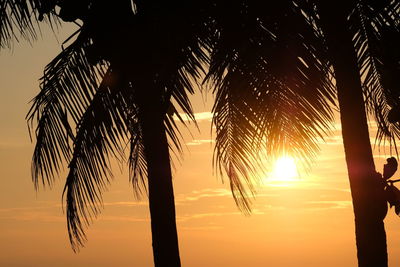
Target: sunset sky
x=301 y=221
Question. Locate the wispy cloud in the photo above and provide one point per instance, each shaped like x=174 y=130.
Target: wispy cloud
x=333 y=140
x=200 y=194
x=124 y=218
x=328 y=204
x=310 y=205
x=200 y=116
x=31 y=214
x=201 y=228
x=197 y=142
x=126 y=203
x=187 y=217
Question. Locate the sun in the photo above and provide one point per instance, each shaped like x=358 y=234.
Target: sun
x=284 y=170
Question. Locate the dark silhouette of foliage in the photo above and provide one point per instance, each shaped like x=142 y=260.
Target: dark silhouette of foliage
x=272 y=65
x=120 y=82
x=272 y=89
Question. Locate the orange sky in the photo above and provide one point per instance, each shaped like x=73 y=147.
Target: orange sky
x=307 y=222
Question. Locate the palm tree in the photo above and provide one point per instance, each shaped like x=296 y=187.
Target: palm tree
x=120 y=82
x=273 y=68
x=367 y=189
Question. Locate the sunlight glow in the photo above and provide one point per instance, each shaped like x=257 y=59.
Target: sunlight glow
x=284 y=172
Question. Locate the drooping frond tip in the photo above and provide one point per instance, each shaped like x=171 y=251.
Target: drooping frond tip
x=20 y=19
x=101 y=132
x=68 y=85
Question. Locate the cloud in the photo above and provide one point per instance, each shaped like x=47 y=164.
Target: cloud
x=200 y=116
x=310 y=205
x=200 y=228
x=333 y=140
x=187 y=217
x=205 y=193
x=37 y=214
x=53 y=212
x=123 y=218
x=126 y=203
x=328 y=204
x=197 y=142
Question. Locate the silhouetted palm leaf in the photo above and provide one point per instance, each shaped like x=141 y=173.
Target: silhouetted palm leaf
x=101 y=132
x=106 y=114
x=376 y=29
x=20 y=18
x=273 y=88
x=67 y=88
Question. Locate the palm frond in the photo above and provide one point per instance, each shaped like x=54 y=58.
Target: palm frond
x=235 y=152
x=106 y=115
x=376 y=32
x=67 y=87
x=181 y=52
x=101 y=132
x=20 y=19
x=137 y=161
x=273 y=87
x=137 y=158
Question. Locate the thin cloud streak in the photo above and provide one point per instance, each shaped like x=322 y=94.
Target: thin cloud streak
x=197 y=142
x=200 y=116
x=187 y=217
x=205 y=193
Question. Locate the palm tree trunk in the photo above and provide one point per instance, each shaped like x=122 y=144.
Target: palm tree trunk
x=366 y=185
x=161 y=193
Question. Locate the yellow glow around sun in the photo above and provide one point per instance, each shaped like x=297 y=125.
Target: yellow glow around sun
x=284 y=171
